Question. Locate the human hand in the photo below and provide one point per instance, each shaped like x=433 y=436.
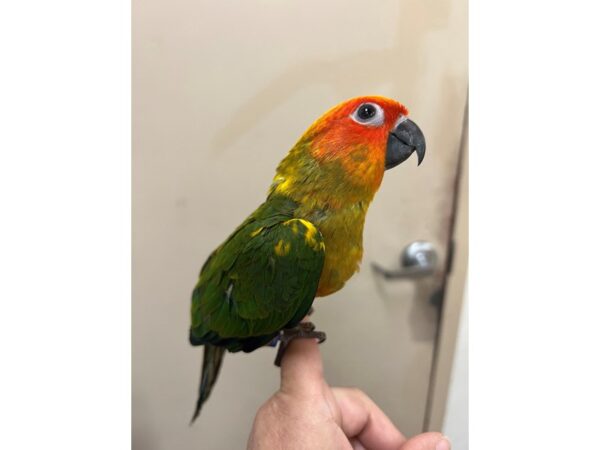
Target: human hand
x=307 y=414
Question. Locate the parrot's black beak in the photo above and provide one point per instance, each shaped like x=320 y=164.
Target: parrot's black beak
x=403 y=140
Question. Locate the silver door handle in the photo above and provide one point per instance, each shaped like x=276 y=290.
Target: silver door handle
x=418 y=260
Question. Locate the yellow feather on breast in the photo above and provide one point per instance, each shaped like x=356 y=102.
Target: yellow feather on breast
x=342 y=232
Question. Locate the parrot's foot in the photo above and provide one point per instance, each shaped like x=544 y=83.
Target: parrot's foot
x=277 y=338
x=304 y=330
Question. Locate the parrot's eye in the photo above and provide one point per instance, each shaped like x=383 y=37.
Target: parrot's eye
x=368 y=114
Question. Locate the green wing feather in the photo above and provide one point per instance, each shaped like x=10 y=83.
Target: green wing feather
x=262 y=279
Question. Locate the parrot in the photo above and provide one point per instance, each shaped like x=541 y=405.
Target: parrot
x=305 y=240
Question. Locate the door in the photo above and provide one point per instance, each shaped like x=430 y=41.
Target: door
x=221 y=91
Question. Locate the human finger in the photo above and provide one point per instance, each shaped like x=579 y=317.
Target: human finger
x=427 y=441
x=364 y=421
x=302 y=368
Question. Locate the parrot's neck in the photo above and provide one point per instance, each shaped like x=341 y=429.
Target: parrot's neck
x=319 y=186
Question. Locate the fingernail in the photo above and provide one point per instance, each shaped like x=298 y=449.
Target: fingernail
x=444 y=444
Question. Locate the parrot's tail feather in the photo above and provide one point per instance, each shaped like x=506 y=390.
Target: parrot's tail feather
x=211 y=365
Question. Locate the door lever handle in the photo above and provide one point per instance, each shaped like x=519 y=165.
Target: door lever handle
x=418 y=259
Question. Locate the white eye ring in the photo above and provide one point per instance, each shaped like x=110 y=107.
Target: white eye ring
x=370 y=114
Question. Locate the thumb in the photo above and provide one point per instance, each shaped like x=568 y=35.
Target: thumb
x=427 y=441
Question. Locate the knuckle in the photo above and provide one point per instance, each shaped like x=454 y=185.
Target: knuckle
x=358 y=393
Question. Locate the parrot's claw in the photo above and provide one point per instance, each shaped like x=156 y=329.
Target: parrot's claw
x=304 y=330
x=277 y=338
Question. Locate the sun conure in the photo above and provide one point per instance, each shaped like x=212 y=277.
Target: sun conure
x=305 y=240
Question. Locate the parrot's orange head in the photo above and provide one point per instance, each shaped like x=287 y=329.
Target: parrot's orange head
x=345 y=152
x=365 y=135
